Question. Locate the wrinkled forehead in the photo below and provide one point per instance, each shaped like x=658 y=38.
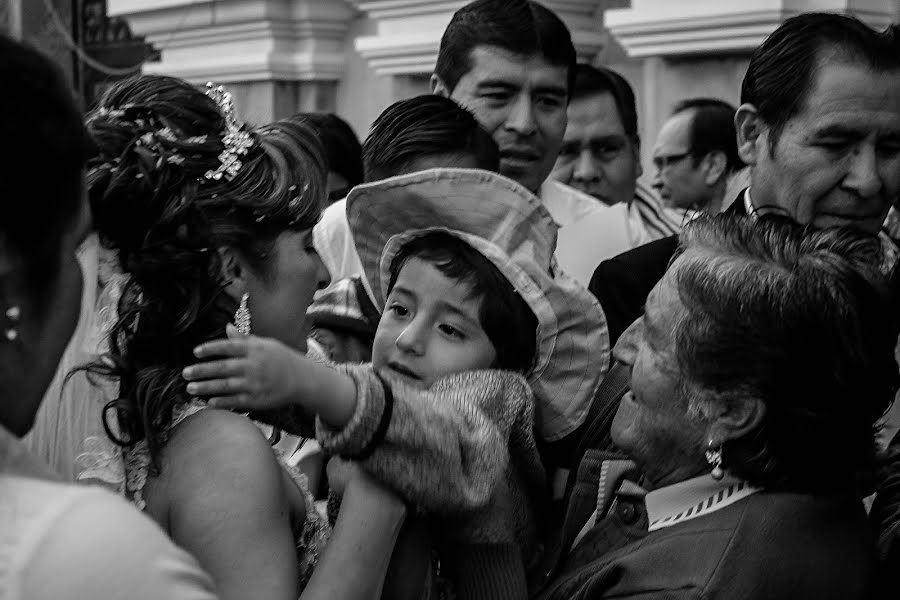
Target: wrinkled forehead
x=843 y=79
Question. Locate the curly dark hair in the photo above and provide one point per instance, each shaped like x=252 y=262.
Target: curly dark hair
x=802 y=319
x=157 y=138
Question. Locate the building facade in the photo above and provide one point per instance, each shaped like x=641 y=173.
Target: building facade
x=354 y=57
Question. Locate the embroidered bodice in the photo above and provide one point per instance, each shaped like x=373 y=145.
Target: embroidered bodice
x=127 y=470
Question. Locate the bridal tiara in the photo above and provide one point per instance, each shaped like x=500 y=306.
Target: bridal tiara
x=236 y=140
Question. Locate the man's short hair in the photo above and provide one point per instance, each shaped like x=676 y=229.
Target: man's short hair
x=342 y=147
x=781 y=70
x=424 y=126
x=522 y=27
x=712 y=129
x=590 y=80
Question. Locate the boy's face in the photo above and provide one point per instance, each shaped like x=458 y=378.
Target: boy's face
x=430 y=328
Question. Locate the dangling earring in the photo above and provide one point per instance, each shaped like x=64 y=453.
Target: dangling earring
x=13 y=313
x=714 y=458
x=242 y=316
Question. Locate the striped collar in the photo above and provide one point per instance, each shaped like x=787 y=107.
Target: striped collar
x=693 y=498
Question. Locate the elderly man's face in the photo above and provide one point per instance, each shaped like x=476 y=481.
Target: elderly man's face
x=837 y=162
x=521 y=102
x=652 y=424
x=597 y=156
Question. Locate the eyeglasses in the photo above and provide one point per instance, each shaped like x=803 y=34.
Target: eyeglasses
x=664 y=162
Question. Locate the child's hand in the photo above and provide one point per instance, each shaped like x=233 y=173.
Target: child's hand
x=250 y=373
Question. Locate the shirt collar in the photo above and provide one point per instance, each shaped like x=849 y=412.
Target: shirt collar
x=748 y=205
x=890 y=252
x=693 y=498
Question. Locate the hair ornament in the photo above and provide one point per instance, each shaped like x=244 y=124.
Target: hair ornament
x=236 y=141
x=294 y=203
x=113 y=113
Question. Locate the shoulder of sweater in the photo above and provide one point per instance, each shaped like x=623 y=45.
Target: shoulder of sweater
x=488 y=382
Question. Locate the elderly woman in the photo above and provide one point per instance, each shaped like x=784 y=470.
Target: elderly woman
x=765 y=358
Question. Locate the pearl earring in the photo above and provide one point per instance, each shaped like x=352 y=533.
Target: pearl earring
x=13 y=313
x=714 y=458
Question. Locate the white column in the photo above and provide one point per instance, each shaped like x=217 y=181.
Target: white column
x=667 y=28
x=281 y=56
x=407 y=33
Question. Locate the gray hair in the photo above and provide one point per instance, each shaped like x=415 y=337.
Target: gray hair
x=801 y=319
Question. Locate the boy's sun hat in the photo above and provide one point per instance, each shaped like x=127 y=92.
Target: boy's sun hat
x=509 y=226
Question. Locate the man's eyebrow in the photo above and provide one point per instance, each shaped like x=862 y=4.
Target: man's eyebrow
x=837 y=130
x=496 y=83
x=606 y=139
x=554 y=90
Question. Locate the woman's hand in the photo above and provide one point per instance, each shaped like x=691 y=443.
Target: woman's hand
x=246 y=373
x=249 y=373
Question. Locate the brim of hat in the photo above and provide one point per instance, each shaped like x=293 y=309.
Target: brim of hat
x=510 y=226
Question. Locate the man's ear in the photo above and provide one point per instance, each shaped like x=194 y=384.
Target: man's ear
x=735 y=419
x=714 y=165
x=636 y=150
x=751 y=133
x=438 y=87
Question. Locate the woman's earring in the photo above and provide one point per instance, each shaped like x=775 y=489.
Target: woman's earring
x=13 y=313
x=714 y=458
x=242 y=316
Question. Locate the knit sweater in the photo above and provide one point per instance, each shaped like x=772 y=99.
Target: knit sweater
x=462 y=451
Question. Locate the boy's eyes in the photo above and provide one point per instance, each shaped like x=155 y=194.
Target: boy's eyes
x=451 y=331
x=398 y=310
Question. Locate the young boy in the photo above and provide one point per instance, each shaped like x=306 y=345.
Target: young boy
x=410 y=135
x=461 y=263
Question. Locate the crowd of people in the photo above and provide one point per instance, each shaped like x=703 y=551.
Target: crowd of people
x=475 y=356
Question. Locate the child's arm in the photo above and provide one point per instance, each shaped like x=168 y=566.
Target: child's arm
x=256 y=374
x=445 y=449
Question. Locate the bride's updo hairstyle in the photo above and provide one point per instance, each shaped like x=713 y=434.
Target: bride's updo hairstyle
x=177 y=178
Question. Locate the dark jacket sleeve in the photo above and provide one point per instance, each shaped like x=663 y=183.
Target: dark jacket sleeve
x=623 y=282
x=885 y=517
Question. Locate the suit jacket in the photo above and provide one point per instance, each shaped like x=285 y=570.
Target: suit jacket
x=622 y=283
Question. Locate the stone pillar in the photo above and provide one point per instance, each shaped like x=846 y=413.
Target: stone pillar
x=277 y=56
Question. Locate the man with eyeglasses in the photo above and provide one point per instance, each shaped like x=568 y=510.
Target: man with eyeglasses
x=695 y=154
x=819 y=126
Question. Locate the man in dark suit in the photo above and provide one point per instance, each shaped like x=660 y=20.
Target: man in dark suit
x=819 y=125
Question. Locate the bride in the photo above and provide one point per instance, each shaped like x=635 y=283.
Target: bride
x=211 y=222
